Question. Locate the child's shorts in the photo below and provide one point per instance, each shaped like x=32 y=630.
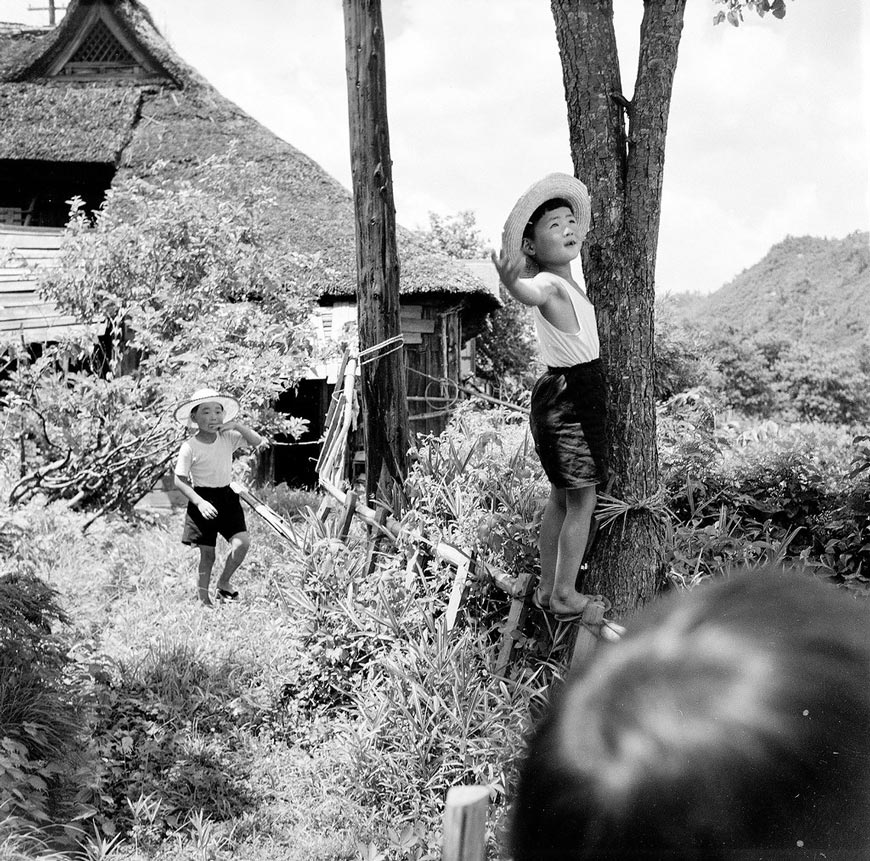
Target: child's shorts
x=230 y=517
x=569 y=425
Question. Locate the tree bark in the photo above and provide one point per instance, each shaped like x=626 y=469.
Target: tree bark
x=384 y=401
x=618 y=150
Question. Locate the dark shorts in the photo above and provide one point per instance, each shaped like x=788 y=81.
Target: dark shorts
x=230 y=518
x=569 y=425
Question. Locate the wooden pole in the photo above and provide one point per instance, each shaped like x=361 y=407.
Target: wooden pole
x=384 y=395
x=465 y=823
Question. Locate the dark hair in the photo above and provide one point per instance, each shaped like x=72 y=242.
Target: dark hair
x=541 y=211
x=731 y=718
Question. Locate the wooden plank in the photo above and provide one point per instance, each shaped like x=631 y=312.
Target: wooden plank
x=36 y=322
x=516 y=618
x=33 y=311
x=465 y=812
x=413 y=338
x=29 y=230
x=458 y=589
x=21 y=285
x=426 y=326
x=10 y=299
x=412 y=312
x=347 y=515
x=584 y=645
x=17 y=253
x=49 y=333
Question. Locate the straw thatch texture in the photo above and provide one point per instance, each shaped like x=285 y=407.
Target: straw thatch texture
x=88 y=123
x=178 y=121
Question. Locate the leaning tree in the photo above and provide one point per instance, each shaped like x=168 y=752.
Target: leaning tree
x=618 y=150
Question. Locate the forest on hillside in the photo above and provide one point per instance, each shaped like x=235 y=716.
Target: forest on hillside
x=806 y=290
x=786 y=339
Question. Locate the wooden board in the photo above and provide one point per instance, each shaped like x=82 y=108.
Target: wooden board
x=49 y=333
x=426 y=326
x=9 y=298
x=10 y=313
x=35 y=321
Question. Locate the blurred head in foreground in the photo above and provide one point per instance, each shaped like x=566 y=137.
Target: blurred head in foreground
x=731 y=722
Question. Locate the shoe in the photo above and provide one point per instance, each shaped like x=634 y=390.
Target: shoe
x=226 y=595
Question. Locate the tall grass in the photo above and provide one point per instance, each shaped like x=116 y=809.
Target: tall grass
x=325 y=715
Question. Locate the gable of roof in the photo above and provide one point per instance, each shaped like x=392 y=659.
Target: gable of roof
x=97 y=39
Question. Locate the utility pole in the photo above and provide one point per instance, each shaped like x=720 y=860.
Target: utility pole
x=52 y=8
x=382 y=365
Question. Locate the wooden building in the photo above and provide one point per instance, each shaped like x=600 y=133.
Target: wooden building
x=103 y=96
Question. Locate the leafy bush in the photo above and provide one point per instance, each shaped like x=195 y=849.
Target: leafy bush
x=191 y=292
x=168 y=728
x=40 y=714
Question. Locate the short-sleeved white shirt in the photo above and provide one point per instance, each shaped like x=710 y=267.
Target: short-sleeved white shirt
x=208 y=464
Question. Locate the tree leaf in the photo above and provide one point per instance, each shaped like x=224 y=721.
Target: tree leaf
x=778 y=8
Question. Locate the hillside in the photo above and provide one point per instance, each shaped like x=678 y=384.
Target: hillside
x=805 y=289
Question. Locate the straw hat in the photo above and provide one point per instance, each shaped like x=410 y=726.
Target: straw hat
x=552 y=185
x=207 y=396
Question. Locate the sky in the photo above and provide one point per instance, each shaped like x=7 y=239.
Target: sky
x=767 y=136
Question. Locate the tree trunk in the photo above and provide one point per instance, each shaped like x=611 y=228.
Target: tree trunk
x=384 y=401
x=623 y=171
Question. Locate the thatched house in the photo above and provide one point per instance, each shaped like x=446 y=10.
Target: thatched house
x=103 y=95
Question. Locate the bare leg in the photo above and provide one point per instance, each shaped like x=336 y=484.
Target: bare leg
x=206 y=563
x=548 y=542
x=239 y=544
x=579 y=506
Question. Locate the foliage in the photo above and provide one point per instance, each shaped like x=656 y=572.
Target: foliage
x=734 y=13
x=506 y=348
x=39 y=709
x=506 y=345
x=681 y=359
x=765 y=375
x=191 y=293
x=455 y=235
x=805 y=291
x=761 y=492
x=168 y=728
x=326 y=715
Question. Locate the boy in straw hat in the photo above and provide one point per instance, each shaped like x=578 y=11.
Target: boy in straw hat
x=541 y=238
x=203 y=473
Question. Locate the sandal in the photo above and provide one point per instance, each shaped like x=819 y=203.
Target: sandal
x=227 y=595
x=565 y=617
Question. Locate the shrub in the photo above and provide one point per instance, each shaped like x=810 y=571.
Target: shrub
x=192 y=292
x=168 y=727
x=40 y=712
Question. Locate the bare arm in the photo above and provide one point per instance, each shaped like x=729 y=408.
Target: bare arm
x=529 y=291
x=207 y=510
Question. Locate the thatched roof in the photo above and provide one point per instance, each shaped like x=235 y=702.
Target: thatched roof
x=58 y=123
x=172 y=117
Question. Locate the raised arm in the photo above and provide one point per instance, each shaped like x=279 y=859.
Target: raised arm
x=529 y=291
x=251 y=437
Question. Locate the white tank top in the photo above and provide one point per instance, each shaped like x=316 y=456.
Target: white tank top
x=563 y=349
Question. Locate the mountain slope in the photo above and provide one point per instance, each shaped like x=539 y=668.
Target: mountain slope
x=808 y=290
